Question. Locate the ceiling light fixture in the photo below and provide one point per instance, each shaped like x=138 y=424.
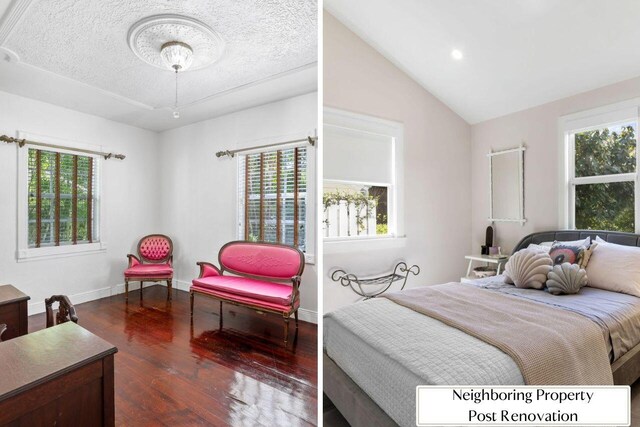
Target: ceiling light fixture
x=177 y=43
x=456 y=54
x=178 y=56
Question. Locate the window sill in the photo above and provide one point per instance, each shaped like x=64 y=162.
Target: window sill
x=51 y=252
x=341 y=246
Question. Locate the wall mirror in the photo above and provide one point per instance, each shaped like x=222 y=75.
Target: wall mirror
x=506 y=185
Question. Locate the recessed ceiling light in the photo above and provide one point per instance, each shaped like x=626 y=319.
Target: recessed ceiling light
x=456 y=54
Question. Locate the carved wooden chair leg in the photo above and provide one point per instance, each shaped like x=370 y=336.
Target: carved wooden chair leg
x=169 y=289
x=191 y=295
x=296 y=315
x=126 y=290
x=286 y=329
x=220 y=314
x=141 y=286
x=3 y=328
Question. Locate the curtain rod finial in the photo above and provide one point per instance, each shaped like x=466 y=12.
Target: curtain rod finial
x=225 y=153
x=9 y=140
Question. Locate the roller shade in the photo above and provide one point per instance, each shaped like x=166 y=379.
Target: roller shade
x=351 y=155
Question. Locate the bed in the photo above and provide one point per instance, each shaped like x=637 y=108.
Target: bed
x=374 y=349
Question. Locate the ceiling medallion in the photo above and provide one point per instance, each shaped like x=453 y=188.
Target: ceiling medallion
x=175 y=43
x=149 y=36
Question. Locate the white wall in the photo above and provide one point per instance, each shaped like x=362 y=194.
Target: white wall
x=128 y=190
x=538 y=128
x=436 y=164
x=199 y=203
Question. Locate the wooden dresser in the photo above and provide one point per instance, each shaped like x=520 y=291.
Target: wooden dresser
x=13 y=311
x=60 y=376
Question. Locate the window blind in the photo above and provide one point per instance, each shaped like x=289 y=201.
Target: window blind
x=356 y=156
x=272 y=194
x=62 y=199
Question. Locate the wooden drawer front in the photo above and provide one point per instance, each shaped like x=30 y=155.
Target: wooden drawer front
x=10 y=314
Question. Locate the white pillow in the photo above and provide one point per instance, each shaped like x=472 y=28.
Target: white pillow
x=615 y=268
x=541 y=248
x=584 y=242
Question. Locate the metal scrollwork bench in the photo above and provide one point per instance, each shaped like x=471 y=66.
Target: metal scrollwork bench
x=381 y=283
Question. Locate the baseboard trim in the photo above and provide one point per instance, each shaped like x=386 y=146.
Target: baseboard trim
x=308 y=315
x=37 y=307
x=304 y=314
x=182 y=285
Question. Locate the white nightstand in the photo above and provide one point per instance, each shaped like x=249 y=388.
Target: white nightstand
x=487 y=259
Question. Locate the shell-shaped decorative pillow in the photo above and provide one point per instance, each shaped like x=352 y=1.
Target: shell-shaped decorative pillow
x=528 y=269
x=566 y=278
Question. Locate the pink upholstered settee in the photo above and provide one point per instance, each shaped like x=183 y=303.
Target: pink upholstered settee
x=265 y=277
x=153 y=263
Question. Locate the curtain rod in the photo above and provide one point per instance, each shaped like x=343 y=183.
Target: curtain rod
x=231 y=153
x=21 y=143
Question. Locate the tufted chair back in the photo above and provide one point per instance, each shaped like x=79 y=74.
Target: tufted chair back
x=155 y=248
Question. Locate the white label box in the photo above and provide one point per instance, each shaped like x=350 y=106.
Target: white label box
x=523 y=405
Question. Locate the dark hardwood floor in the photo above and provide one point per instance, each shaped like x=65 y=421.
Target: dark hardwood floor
x=168 y=372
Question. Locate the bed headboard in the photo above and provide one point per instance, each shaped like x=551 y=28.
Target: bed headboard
x=628 y=239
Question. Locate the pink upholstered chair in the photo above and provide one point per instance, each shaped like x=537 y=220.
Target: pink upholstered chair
x=153 y=263
x=265 y=277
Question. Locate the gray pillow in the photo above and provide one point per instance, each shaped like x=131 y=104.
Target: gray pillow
x=528 y=269
x=566 y=278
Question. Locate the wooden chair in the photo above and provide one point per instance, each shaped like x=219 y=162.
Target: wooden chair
x=153 y=263
x=66 y=310
x=3 y=328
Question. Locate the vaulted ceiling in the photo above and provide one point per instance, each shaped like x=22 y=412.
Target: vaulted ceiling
x=516 y=53
x=74 y=53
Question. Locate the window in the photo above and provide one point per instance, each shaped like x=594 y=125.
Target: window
x=355 y=209
x=59 y=199
x=603 y=177
x=62 y=199
x=273 y=197
x=361 y=190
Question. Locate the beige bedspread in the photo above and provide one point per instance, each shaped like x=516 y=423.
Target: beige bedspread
x=550 y=345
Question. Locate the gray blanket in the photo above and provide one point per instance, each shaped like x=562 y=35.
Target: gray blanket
x=551 y=346
x=617 y=314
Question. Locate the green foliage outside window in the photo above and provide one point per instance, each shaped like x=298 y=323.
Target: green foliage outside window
x=608 y=206
x=47 y=198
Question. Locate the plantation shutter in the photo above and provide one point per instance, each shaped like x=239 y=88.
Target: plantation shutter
x=61 y=198
x=272 y=195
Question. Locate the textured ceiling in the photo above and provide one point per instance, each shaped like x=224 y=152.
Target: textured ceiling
x=86 y=41
x=517 y=53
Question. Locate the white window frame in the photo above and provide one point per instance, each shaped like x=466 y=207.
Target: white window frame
x=380 y=127
x=598 y=118
x=24 y=252
x=310 y=201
